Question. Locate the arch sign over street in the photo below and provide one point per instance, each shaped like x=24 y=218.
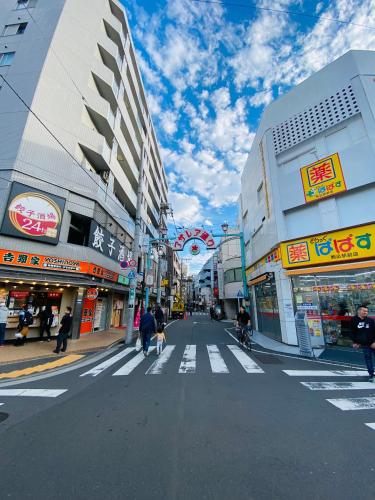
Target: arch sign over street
x=194 y=234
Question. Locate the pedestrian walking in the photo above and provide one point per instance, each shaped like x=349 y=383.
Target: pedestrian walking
x=363 y=336
x=147 y=328
x=66 y=325
x=46 y=321
x=212 y=313
x=4 y=312
x=159 y=315
x=25 y=320
x=160 y=338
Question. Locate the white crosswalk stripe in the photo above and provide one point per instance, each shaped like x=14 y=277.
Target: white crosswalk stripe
x=133 y=363
x=216 y=361
x=189 y=362
x=371 y=425
x=245 y=361
x=326 y=373
x=338 y=386
x=157 y=366
x=108 y=362
x=35 y=393
x=346 y=404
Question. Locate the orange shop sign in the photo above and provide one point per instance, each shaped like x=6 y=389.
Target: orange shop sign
x=36 y=261
x=51 y=263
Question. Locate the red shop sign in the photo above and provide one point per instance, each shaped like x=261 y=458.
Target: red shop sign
x=19 y=295
x=54 y=295
x=92 y=293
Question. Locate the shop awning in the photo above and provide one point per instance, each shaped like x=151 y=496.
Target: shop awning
x=259 y=279
x=324 y=269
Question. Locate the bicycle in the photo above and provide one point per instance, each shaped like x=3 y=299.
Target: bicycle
x=244 y=334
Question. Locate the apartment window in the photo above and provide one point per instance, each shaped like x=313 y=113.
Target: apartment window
x=25 y=4
x=260 y=193
x=79 y=229
x=6 y=58
x=14 y=29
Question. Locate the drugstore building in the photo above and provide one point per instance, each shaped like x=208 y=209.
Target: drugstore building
x=307 y=204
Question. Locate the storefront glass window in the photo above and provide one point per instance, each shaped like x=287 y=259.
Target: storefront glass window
x=333 y=299
x=267 y=309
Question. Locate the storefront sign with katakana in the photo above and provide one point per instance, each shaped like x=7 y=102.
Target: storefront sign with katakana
x=106 y=243
x=323 y=178
x=33 y=214
x=194 y=234
x=348 y=244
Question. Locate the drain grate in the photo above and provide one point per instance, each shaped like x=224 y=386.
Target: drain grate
x=268 y=360
x=3 y=416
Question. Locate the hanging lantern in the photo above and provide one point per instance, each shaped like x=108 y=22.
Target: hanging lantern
x=195 y=249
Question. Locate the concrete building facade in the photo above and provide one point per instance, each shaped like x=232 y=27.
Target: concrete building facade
x=307 y=204
x=74 y=130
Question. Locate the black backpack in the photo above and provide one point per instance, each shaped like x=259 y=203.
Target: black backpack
x=28 y=320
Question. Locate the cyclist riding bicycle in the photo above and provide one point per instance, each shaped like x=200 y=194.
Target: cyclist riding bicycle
x=243 y=323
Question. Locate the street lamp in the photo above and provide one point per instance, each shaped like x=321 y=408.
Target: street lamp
x=225 y=227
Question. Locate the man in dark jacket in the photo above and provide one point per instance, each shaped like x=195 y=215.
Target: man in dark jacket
x=363 y=335
x=159 y=315
x=147 y=327
x=66 y=325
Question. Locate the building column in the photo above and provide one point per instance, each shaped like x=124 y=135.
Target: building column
x=286 y=309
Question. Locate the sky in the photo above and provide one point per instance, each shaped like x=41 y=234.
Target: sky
x=209 y=69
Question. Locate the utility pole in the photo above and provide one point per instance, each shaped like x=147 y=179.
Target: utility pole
x=164 y=209
x=136 y=252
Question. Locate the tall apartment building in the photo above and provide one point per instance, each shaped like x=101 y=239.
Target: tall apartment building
x=308 y=209
x=70 y=163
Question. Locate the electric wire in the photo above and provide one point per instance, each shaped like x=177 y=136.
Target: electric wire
x=56 y=55
x=284 y=11
x=58 y=141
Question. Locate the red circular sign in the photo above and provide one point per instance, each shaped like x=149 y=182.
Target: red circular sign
x=35 y=214
x=92 y=293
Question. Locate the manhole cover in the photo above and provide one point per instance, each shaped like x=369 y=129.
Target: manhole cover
x=3 y=416
x=268 y=360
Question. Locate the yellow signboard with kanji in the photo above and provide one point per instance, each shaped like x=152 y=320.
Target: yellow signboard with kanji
x=323 y=178
x=334 y=247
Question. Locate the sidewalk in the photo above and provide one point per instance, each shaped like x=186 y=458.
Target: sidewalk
x=35 y=349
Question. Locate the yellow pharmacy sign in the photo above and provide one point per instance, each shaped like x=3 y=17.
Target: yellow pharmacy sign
x=330 y=248
x=323 y=178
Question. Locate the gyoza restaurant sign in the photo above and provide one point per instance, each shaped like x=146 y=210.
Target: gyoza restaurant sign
x=105 y=243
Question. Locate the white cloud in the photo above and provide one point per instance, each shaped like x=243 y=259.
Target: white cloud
x=168 y=121
x=186 y=208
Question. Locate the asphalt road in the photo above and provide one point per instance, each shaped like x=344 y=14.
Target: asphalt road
x=192 y=435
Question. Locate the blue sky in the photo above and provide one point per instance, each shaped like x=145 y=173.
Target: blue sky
x=209 y=70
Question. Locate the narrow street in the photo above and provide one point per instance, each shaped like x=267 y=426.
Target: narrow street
x=206 y=420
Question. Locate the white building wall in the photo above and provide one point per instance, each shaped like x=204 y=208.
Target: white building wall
x=330 y=112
